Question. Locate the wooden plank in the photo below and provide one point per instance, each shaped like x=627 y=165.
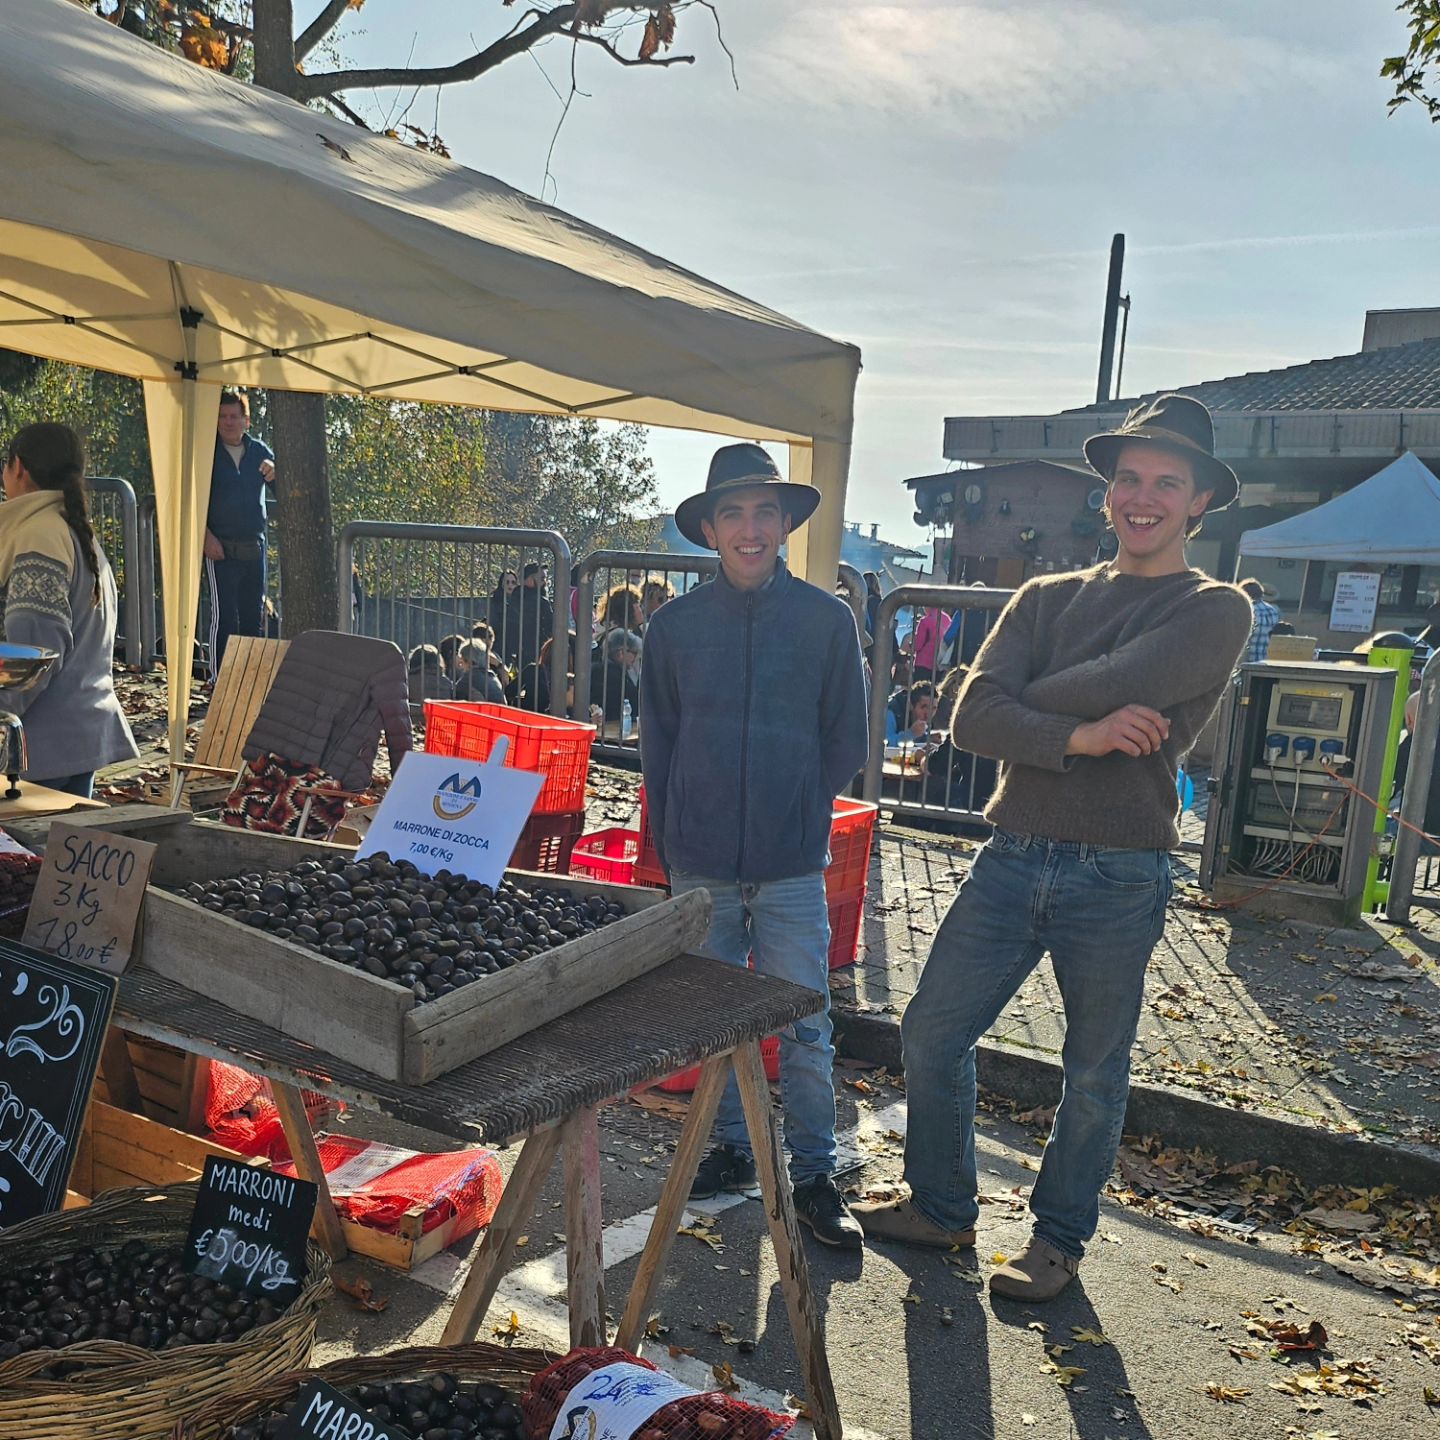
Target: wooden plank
x=296 y=1124
x=481 y=1017
x=148 y=822
x=150 y=1137
x=164 y=1095
x=120 y=1082
x=113 y=1153
x=694 y=1137
x=492 y=1254
x=807 y=1324
x=344 y=1012
x=584 y=1243
x=190 y=1106
x=402 y=1251
x=244 y=680
x=205 y=849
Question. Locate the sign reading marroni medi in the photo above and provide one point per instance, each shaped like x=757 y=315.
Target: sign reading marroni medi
x=249 y=1228
x=459 y=815
x=52 y=1023
x=321 y=1412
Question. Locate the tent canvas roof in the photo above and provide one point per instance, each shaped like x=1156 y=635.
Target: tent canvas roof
x=1392 y=518
x=326 y=258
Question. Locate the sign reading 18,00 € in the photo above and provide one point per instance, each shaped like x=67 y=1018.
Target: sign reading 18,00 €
x=446 y=814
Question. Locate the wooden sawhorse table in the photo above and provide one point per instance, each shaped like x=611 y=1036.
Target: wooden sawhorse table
x=547 y=1087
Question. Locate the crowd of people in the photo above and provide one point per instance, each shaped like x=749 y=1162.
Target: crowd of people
x=506 y=660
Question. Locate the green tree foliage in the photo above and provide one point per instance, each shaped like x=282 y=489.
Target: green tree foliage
x=1410 y=71
x=390 y=460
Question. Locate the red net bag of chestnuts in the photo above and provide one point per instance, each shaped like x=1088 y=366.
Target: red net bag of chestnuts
x=612 y=1395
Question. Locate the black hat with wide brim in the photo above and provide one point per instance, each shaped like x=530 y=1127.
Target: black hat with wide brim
x=741 y=467
x=1181 y=423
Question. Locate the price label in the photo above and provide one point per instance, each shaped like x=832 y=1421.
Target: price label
x=321 y=1412
x=89 y=896
x=249 y=1228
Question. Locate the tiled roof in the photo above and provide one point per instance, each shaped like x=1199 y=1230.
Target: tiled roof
x=1399 y=377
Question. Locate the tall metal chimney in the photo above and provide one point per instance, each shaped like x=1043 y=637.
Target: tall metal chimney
x=1103 y=390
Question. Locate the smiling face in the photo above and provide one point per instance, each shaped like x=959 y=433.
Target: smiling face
x=1152 y=502
x=233 y=423
x=748 y=526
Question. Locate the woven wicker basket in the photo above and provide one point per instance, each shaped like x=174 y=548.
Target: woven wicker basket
x=511 y=1368
x=125 y=1393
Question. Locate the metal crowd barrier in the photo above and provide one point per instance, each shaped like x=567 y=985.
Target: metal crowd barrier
x=416 y=584
x=601 y=583
x=852 y=583
x=1405 y=860
x=114 y=516
x=944 y=784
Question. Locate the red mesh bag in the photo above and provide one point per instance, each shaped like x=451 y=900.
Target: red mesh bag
x=240 y=1114
x=553 y=1397
x=377 y=1185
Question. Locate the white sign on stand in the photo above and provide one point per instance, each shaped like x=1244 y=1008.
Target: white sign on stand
x=459 y=815
x=1357 y=597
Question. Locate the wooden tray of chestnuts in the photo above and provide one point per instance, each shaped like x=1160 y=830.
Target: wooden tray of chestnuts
x=405 y=975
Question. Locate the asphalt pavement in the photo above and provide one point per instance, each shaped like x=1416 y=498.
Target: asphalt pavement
x=1174 y=1329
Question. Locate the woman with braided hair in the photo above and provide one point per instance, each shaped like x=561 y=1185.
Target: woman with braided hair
x=57 y=591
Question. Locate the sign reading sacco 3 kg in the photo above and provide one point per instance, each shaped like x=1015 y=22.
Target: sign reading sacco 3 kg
x=446 y=814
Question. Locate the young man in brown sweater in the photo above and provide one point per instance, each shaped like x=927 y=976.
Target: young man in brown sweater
x=1089 y=690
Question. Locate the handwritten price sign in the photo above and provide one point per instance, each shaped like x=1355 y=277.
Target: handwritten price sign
x=249 y=1227
x=260 y=1266
x=89 y=896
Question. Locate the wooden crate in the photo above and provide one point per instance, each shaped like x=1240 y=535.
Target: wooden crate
x=370 y=1022
x=118 y=1149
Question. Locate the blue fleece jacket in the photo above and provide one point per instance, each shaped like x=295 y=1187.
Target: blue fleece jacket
x=753 y=713
x=237 y=492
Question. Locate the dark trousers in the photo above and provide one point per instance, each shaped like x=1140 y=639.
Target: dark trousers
x=237 y=595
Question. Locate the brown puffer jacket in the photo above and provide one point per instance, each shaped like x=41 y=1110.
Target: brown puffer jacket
x=330 y=699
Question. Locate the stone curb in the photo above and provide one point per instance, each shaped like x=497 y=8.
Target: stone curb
x=1317 y=1156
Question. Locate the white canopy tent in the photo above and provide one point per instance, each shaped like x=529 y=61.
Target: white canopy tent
x=165 y=222
x=1393 y=518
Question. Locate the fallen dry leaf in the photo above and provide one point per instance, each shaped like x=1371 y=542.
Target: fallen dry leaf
x=1226 y=1394
x=362 y=1292
x=1084 y=1336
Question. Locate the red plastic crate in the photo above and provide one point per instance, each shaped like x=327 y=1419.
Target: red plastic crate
x=852 y=830
x=846 y=917
x=648 y=869
x=543 y=744
x=547 y=842
x=607 y=855
x=684 y=1081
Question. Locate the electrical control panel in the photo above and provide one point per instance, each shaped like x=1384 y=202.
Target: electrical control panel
x=1291 y=817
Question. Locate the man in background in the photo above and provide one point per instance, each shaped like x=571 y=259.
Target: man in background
x=1267 y=617
x=235 y=528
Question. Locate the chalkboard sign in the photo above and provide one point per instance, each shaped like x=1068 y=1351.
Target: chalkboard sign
x=89 y=896
x=249 y=1228
x=321 y=1412
x=52 y=1024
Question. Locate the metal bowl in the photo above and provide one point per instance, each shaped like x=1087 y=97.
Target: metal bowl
x=22 y=665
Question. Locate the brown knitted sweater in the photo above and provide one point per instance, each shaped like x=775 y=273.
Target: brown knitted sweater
x=1072 y=648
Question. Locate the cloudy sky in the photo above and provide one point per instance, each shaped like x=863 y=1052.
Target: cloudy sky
x=937 y=182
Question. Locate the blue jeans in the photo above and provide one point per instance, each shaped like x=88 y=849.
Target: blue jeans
x=786 y=923
x=82 y=785
x=1099 y=912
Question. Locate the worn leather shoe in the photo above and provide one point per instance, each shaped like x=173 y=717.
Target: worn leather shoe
x=724 y=1169
x=820 y=1205
x=1038 y=1272
x=898 y=1219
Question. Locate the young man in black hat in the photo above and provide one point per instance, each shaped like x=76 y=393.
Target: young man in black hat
x=1089 y=689
x=753 y=695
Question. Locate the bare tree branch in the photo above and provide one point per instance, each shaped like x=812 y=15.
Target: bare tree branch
x=552 y=22
x=614 y=54
x=320 y=27
x=720 y=36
